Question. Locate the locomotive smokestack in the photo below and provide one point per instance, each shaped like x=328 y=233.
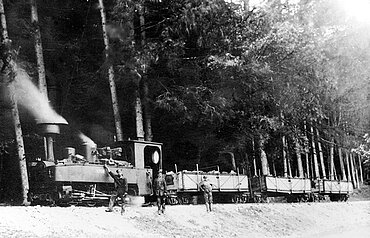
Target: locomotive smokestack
x=49 y=130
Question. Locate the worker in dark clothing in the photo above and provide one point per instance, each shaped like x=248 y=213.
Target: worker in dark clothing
x=121 y=189
x=160 y=189
x=206 y=187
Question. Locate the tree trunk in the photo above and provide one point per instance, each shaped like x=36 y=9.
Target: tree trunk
x=38 y=47
x=344 y=177
x=348 y=167
x=246 y=165
x=147 y=112
x=233 y=163
x=299 y=159
x=141 y=9
x=321 y=154
x=138 y=104
x=42 y=85
x=232 y=159
x=9 y=74
x=289 y=166
x=360 y=169
x=112 y=84
x=332 y=166
x=285 y=162
x=139 y=118
x=356 y=170
x=264 y=162
x=353 y=170
x=307 y=159
x=254 y=158
x=315 y=162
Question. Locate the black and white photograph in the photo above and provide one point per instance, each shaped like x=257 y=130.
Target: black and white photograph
x=185 y=118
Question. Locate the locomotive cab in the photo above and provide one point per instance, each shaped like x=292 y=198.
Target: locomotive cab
x=141 y=154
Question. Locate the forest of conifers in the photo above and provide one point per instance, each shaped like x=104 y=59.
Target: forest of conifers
x=264 y=82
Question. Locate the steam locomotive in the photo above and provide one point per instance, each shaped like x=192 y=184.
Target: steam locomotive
x=82 y=180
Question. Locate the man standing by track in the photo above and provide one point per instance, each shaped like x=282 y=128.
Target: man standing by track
x=121 y=189
x=160 y=188
x=206 y=187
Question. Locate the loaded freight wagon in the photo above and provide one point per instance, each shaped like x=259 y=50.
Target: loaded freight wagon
x=337 y=190
x=298 y=189
x=183 y=186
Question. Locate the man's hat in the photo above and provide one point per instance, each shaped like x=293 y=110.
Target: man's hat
x=204 y=177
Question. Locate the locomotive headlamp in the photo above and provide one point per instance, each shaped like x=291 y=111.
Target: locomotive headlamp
x=155 y=157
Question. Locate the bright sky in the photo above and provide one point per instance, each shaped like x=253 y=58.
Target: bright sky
x=360 y=9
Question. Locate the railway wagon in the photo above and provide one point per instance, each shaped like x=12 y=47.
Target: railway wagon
x=298 y=189
x=337 y=190
x=183 y=186
x=77 y=179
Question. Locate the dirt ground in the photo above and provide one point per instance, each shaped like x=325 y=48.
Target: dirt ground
x=324 y=219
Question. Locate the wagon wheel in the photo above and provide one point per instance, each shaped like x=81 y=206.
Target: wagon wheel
x=172 y=200
x=236 y=198
x=304 y=198
x=264 y=198
x=245 y=198
x=71 y=203
x=345 y=197
x=313 y=197
x=91 y=203
x=180 y=200
x=257 y=199
x=184 y=199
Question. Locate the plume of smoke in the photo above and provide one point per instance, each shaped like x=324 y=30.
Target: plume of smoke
x=86 y=139
x=33 y=100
